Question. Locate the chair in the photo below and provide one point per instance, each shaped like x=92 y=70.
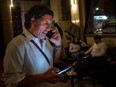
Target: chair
x=112 y=70
x=2 y=83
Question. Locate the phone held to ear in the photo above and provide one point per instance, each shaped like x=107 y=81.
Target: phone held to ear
x=50 y=34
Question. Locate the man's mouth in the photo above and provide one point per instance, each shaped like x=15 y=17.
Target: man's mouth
x=45 y=32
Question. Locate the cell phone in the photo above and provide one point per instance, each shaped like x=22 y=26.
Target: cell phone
x=65 y=70
x=50 y=34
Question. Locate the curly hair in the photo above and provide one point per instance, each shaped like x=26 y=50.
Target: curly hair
x=36 y=12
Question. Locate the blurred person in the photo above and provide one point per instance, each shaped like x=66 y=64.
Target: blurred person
x=96 y=54
x=75 y=47
x=98 y=49
x=24 y=63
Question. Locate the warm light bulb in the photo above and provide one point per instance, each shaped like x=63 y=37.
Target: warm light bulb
x=11 y=3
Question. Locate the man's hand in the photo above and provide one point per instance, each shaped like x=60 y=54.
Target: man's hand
x=82 y=52
x=51 y=75
x=56 y=38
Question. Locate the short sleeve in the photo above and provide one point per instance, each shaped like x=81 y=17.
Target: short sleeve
x=11 y=80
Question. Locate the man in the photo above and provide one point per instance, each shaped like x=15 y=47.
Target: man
x=98 y=49
x=97 y=54
x=24 y=64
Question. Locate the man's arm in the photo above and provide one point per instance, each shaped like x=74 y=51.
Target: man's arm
x=49 y=76
x=71 y=48
x=56 y=39
x=57 y=53
x=88 y=51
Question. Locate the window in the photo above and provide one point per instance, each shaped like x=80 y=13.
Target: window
x=102 y=17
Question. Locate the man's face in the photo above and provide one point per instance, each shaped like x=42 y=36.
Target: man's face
x=97 y=41
x=42 y=26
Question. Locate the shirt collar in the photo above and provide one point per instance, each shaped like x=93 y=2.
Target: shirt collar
x=28 y=35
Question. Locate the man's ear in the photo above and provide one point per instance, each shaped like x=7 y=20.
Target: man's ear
x=32 y=20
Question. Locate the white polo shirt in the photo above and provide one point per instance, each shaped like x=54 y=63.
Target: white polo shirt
x=23 y=57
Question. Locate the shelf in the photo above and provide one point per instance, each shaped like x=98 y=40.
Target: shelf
x=104 y=35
